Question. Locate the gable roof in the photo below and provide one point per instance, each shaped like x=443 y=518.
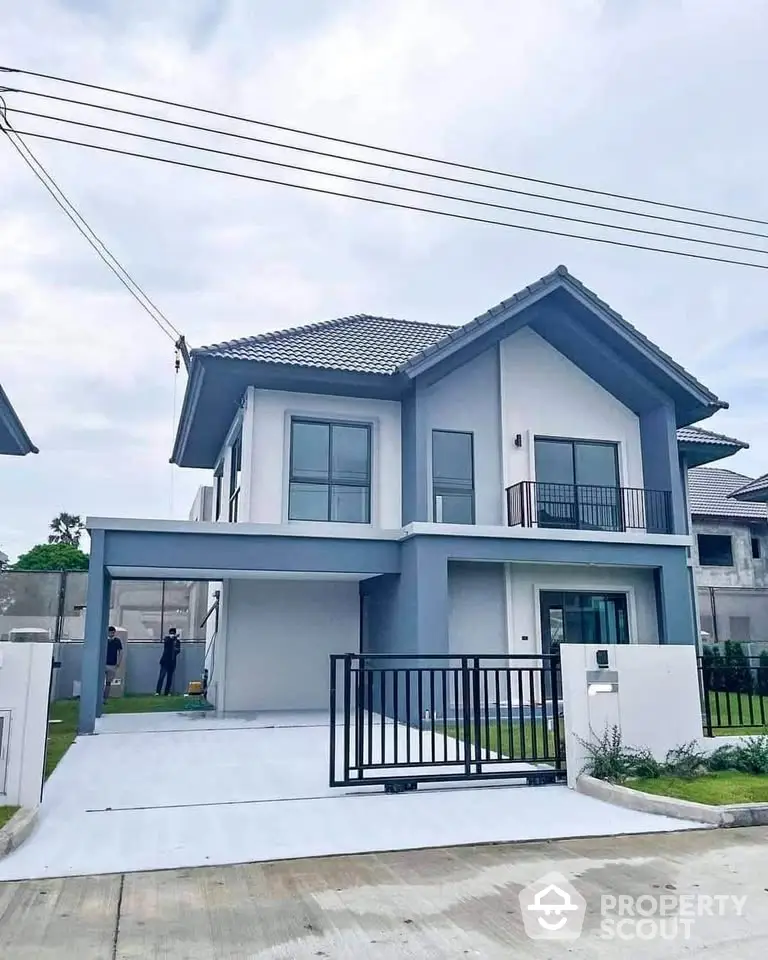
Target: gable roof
x=361 y=343
x=756 y=491
x=14 y=439
x=709 y=495
x=705 y=446
x=369 y=356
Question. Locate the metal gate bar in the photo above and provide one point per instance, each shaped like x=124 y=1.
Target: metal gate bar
x=400 y=720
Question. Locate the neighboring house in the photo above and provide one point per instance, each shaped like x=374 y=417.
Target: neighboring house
x=391 y=487
x=731 y=554
x=14 y=439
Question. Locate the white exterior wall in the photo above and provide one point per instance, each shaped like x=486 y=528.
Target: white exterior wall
x=278 y=637
x=526 y=580
x=266 y=451
x=544 y=394
x=477 y=620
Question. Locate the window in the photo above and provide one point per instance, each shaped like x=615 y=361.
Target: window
x=599 y=618
x=756 y=554
x=235 y=468
x=218 y=482
x=330 y=472
x=739 y=629
x=577 y=484
x=714 y=550
x=453 y=477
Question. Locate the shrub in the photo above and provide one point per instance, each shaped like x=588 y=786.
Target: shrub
x=724 y=758
x=645 y=765
x=762 y=673
x=712 y=665
x=685 y=761
x=737 y=672
x=607 y=757
x=752 y=756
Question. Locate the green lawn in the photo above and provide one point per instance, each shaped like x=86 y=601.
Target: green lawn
x=5 y=814
x=507 y=740
x=712 y=788
x=720 y=703
x=62 y=727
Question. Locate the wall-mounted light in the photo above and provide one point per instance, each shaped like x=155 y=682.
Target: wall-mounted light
x=518 y=440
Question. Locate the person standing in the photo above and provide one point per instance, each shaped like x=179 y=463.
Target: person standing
x=171 y=650
x=114 y=656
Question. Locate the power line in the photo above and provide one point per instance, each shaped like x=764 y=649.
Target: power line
x=88 y=233
x=373 y=163
x=399 y=187
x=380 y=149
x=401 y=206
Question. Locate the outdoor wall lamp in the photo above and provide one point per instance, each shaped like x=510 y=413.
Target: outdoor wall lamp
x=518 y=439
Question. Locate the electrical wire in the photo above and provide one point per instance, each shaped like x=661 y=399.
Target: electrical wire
x=368 y=146
x=402 y=206
x=86 y=231
x=399 y=187
x=373 y=163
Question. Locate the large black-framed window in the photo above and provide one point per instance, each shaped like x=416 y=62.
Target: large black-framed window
x=453 y=477
x=574 y=617
x=235 y=469
x=577 y=483
x=715 y=550
x=330 y=471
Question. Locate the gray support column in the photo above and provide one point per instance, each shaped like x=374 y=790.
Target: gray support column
x=94 y=646
x=423 y=596
x=661 y=467
x=415 y=449
x=676 y=617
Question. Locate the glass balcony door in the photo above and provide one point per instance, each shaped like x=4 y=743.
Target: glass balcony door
x=577 y=484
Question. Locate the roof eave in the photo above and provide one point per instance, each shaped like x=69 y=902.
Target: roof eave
x=9 y=419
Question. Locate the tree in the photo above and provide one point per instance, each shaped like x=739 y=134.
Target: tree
x=67 y=528
x=53 y=556
x=737 y=670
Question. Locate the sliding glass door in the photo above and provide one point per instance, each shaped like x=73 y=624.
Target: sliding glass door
x=569 y=617
x=577 y=484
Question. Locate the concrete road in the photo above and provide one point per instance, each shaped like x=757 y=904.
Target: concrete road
x=461 y=902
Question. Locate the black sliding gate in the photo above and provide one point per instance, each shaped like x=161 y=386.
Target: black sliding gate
x=401 y=720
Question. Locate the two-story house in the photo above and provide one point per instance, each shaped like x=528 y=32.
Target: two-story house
x=387 y=486
x=730 y=551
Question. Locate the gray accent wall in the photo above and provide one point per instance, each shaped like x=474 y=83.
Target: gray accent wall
x=469 y=399
x=477 y=619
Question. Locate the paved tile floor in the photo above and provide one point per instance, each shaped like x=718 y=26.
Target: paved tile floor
x=435 y=904
x=183 y=790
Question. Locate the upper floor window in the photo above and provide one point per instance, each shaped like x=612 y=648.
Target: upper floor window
x=715 y=550
x=453 y=477
x=330 y=471
x=577 y=484
x=756 y=554
x=235 y=469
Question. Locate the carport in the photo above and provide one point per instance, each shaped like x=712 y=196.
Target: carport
x=300 y=583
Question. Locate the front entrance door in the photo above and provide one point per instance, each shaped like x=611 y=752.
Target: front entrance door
x=568 y=617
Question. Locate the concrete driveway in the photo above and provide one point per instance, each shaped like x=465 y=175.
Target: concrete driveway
x=428 y=904
x=160 y=791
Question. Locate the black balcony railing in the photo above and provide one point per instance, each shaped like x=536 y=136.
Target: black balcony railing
x=569 y=506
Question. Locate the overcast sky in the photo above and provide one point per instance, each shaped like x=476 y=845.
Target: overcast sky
x=662 y=99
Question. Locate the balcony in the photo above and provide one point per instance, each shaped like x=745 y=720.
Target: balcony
x=567 y=506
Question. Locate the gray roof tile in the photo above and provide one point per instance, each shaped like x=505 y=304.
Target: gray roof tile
x=709 y=494
x=753 y=488
x=699 y=435
x=362 y=344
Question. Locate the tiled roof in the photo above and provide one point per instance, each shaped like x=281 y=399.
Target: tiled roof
x=362 y=344
x=709 y=494
x=367 y=344
x=698 y=435
x=14 y=439
x=755 y=488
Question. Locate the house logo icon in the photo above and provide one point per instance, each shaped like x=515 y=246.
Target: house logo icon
x=552 y=909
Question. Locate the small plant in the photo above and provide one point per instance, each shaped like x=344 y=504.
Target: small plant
x=724 y=758
x=685 y=761
x=752 y=756
x=762 y=673
x=645 y=765
x=607 y=757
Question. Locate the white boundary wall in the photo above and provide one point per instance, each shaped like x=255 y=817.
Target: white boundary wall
x=654 y=701
x=25 y=677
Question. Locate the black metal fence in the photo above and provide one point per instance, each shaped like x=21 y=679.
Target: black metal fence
x=734 y=691
x=398 y=721
x=588 y=507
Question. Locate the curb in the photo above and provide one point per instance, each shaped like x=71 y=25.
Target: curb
x=16 y=831
x=733 y=815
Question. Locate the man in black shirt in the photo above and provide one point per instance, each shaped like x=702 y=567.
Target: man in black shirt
x=114 y=656
x=171 y=650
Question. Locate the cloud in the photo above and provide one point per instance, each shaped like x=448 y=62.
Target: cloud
x=650 y=99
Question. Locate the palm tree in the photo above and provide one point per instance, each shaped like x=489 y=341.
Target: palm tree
x=67 y=528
